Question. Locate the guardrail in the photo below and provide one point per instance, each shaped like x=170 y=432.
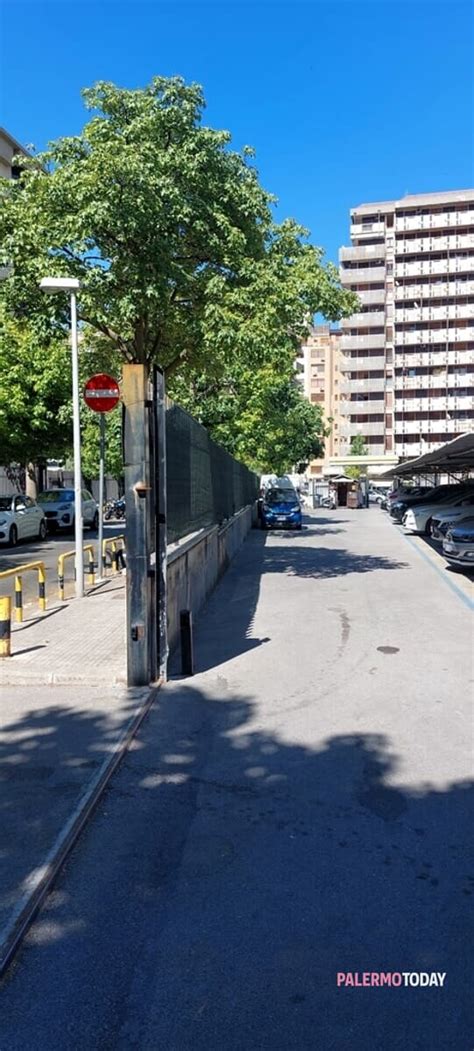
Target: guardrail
x=70 y=554
x=116 y=553
x=18 y=572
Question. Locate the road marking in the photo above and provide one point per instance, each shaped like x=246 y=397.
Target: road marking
x=440 y=570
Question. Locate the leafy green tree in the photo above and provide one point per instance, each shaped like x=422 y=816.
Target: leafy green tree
x=259 y=415
x=170 y=234
x=35 y=385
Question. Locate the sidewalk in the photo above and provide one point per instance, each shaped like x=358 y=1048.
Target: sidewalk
x=65 y=717
x=80 y=641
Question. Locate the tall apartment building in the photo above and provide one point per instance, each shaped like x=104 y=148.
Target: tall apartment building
x=318 y=366
x=407 y=358
x=8 y=148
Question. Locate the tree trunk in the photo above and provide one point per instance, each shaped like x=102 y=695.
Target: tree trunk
x=31 y=481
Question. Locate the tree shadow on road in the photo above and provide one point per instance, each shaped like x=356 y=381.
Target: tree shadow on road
x=228 y=877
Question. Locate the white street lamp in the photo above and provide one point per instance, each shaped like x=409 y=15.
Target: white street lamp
x=72 y=285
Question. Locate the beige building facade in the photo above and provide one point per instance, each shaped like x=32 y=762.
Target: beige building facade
x=406 y=358
x=318 y=367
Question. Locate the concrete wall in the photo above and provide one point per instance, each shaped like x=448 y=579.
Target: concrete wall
x=196 y=564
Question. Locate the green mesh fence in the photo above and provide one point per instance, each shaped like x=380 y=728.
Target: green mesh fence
x=205 y=484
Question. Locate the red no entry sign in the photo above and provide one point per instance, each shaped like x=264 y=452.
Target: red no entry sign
x=101 y=393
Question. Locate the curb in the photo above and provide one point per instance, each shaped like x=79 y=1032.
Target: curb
x=12 y=677
x=41 y=881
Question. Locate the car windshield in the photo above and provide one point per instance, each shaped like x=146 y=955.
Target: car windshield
x=57 y=496
x=5 y=503
x=281 y=496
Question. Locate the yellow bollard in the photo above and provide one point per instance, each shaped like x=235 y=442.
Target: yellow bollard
x=18 y=599
x=42 y=588
x=91 y=569
x=5 y=626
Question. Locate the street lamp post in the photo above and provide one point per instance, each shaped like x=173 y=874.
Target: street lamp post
x=72 y=285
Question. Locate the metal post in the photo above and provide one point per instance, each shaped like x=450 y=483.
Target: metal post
x=100 y=561
x=76 y=419
x=140 y=626
x=160 y=523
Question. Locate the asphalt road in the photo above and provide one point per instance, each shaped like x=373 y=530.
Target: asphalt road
x=34 y=550
x=301 y=807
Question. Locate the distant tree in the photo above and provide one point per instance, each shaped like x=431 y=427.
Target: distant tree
x=259 y=415
x=35 y=385
x=358 y=448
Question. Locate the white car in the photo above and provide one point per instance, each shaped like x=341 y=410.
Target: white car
x=418 y=518
x=20 y=519
x=59 y=508
x=442 y=520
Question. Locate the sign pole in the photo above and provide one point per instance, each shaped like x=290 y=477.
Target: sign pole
x=100 y=560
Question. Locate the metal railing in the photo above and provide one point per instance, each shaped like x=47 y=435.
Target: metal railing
x=70 y=554
x=18 y=572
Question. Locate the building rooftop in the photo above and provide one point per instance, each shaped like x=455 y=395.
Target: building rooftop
x=414 y=200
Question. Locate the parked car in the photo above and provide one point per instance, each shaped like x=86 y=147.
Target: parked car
x=20 y=518
x=432 y=495
x=418 y=517
x=59 y=508
x=281 y=507
x=405 y=493
x=377 y=496
x=458 y=546
x=443 y=520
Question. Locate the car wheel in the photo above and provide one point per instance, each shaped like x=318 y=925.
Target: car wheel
x=13 y=536
x=428 y=527
x=42 y=530
x=299 y=527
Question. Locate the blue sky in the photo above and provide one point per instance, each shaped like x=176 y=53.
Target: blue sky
x=343 y=101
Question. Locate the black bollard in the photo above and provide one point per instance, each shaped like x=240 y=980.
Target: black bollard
x=187 y=656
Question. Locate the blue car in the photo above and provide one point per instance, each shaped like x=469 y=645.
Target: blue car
x=281 y=508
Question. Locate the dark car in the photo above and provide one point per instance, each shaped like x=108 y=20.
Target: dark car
x=431 y=496
x=458 y=546
x=280 y=508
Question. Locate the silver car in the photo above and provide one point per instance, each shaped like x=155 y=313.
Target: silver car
x=59 y=508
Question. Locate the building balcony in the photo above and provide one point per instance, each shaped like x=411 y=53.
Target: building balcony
x=349 y=342
x=351 y=408
x=362 y=229
x=451 y=312
x=366 y=319
x=435 y=403
x=353 y=364
x=428 y=266
x=434 y=335
x=362 y=253
x=375 y=450
x=440 y=243
x=438 y=358
x=426 y=427
x=361 y=275
x=433 y=221
x=434 y=381
x=349 y=429
x=442 y=288
x=372 y=297
x=367 y=386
